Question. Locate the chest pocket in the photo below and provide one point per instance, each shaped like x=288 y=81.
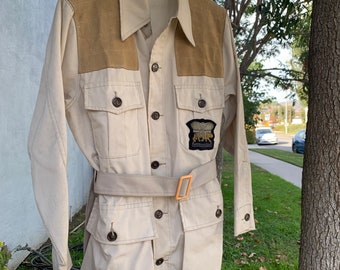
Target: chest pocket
x=199 y=112
x=114 y=110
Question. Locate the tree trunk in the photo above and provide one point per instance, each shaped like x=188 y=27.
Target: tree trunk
x=320 y=238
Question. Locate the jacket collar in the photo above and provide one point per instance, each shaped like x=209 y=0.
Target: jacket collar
x=136 y=14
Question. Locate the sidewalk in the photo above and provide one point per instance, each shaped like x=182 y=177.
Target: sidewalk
x=283 y=169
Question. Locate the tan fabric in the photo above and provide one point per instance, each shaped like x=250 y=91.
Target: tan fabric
x=206 y=58
x=153 y=185
x=103 y=48
x=110 y=103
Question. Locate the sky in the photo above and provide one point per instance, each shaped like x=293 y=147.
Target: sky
x=274 y=62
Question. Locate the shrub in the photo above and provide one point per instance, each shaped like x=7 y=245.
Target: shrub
x=5 y=256
x=291 y=129
x=250 y=134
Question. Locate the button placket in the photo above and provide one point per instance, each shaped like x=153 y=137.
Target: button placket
x=159 y=86
x=154 y=67
x=155 y=115
x=156 y=125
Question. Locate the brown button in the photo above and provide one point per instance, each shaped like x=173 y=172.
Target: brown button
x=218 y=213
x=246 y=217
x=155 y=115
x=154 y=67
x=117 y=102
x=158 y=214
x=159 y=261
x=154 y=164
x=112 y=236
x=202 y=103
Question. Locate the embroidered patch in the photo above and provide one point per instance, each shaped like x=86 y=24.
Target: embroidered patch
x=201 y=135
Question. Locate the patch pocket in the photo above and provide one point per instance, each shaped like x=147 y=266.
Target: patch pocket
x=199 y=105
x=121 y=224
x=202 y=218
x=114 y=110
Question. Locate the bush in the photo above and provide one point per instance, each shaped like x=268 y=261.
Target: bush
x=250 y=134
x=291 y=129
x=5 y=255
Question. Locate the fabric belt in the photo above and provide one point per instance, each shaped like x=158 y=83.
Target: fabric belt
x=152 y=185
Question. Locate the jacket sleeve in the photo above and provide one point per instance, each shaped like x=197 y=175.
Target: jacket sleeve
x=234 y=139
x=47 y=143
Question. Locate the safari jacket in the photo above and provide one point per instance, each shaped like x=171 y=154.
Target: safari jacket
x=151 y=92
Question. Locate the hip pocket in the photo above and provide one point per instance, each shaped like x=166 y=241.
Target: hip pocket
x=121 y=223
x=121 y=234
x=115 y=112
x=202 y=218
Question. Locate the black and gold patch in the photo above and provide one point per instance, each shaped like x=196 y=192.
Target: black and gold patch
x=201 y=135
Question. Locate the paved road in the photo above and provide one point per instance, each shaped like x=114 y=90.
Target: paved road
x=285 y=143
x=283 y=169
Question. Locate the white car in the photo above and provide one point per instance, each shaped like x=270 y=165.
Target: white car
x=265 y=135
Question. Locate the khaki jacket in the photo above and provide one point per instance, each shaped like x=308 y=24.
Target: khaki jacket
x=150 y=91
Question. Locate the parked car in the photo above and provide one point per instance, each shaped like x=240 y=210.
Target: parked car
x=298 y=142
x=265 y=135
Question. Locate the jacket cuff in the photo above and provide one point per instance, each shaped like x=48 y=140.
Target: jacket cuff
x=61 y=263
x=244 y=219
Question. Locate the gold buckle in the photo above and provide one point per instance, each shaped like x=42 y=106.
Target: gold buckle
x=187 y=178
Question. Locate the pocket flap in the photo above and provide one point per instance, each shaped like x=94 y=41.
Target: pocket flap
x=189 y=97
x=131 y=223
x=100 y=97
x=202 y=211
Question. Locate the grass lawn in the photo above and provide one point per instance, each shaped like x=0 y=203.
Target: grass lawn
x=289 y=157
x=274 y=245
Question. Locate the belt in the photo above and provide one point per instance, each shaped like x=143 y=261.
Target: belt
x=152 y=185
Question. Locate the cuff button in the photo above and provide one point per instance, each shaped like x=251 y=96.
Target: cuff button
x=247 y=217
x=218 y=213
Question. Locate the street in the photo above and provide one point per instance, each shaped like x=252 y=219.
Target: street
x=285 y=143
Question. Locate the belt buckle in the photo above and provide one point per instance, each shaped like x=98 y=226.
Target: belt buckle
x=188 y=179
